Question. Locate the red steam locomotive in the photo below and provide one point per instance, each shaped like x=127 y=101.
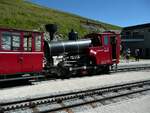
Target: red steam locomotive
x=24 y=51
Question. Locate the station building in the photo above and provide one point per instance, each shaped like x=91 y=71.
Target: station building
x=137 y=37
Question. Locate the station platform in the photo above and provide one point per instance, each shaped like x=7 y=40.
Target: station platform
x=133 y=62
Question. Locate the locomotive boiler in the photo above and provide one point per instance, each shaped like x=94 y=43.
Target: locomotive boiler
x=68 y=47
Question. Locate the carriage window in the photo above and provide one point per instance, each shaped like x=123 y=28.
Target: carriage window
x=10 y=41
x=113 y=40
x=27 y=43
x=6 y=41
x=106 y=40
x=38 y=43
x=15 y=42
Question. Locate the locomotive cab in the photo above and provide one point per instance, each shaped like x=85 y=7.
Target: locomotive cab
x=105 y=49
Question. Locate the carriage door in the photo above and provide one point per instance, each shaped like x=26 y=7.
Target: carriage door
x=38 y=53
x=27 y=65
x=32 y=55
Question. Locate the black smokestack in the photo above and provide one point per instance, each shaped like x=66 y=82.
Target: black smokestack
x=51 y=28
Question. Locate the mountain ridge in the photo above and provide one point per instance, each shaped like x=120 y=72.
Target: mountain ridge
x=27 y=15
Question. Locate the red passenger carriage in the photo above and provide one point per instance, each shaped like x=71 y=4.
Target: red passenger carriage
x=20 y=51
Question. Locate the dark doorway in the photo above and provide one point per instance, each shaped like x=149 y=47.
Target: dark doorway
x=113 y=44
x=147 y=52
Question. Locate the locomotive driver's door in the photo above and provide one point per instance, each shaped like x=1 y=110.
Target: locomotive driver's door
x=106 y=50
x=113 y=45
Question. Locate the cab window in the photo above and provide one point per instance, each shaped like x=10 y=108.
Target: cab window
x=113 y=40
x=106 y=40
x=96 y=41
x=10 y=41
x=38 y=43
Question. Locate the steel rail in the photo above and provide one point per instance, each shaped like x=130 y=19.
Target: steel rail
x=124 y=85
x=92 y=101
x=122 y=68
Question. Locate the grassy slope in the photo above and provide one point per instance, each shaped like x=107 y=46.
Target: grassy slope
x=25 y=15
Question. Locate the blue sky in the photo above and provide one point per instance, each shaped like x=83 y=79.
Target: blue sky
x=117 y=12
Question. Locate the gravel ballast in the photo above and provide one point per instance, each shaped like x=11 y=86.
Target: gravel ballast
x=72 y=84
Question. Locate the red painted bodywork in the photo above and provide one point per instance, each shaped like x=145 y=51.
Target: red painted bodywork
x=21 y=61
x=102 y=54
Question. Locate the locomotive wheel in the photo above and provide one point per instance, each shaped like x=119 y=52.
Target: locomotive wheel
x=65 y=73
x=101 y=70
x=106 y=70
x=58 y=73
x=62 y=73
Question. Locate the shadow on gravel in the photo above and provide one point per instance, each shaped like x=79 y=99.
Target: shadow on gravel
x=8 y=84
x=16 y=83
x=55 y=77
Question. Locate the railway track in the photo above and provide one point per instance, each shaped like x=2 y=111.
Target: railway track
x=66 y=101
x=125 y=68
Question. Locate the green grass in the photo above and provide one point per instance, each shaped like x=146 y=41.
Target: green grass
x=25 y=15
